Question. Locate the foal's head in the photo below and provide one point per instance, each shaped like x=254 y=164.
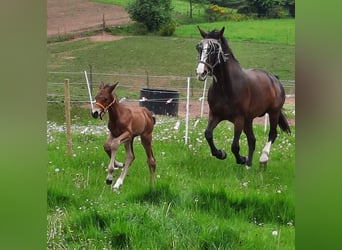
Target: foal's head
x=210 y=52
x=105 y=98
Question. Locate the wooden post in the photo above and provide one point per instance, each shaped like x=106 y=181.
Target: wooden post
x=67 y=116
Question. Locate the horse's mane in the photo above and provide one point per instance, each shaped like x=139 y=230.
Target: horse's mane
x=215 y=34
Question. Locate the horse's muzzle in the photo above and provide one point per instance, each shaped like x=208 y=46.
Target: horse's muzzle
x=95 y=114
x=203 y=76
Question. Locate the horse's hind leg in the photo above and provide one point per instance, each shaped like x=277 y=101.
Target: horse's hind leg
x=146 y=141
x=218 y=153
x=272 y=135
x=107 y=148
x=129 y=159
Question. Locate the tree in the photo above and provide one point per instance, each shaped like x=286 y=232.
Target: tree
x=154 y=14
x=192 y=4
x=264 y=8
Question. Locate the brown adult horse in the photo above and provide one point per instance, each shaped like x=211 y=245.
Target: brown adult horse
x=125 y=123
x=238 y=95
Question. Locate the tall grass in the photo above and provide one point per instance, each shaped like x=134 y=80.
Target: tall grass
x=198 y=202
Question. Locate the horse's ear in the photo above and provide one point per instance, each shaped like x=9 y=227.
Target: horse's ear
x=113 y=87
x=101 y=85
x=221 y=32
x=202 y=32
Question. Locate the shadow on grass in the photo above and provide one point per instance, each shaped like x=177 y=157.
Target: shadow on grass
x=155 y=195
x=261 y=208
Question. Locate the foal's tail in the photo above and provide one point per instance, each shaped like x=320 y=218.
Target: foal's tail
x=283 y=123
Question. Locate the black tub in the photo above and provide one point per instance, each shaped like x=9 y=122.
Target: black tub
x=160 y=101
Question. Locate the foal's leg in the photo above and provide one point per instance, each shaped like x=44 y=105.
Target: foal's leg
x=238 y=125
x=248 y=129
x=129 y=159
x=146 y=141
x=106 y=147
x=113 y=146
x=272 y=135
x=212 y=123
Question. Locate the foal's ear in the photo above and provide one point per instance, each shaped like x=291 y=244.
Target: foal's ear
x=202 y=32
x=101 y=85
x=112 y=87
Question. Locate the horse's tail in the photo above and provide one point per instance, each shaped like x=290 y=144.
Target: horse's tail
x=283 y=123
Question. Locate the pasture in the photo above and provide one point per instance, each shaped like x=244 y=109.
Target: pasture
x=198 y=202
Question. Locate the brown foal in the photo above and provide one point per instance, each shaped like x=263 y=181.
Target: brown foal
x=125 y=123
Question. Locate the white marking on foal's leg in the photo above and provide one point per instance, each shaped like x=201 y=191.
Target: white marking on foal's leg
x=265 y=153
x=118 y=183
x=118 y=164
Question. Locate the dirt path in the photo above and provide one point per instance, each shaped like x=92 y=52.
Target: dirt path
x=72 y=16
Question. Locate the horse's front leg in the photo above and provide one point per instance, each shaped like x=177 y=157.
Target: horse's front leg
x=107 y=148
x=238 y=125
x=129 y=159
x=248 y=129
x=212 y=123
x=113 y=146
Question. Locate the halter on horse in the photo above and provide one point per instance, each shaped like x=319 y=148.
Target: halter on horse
x=238 y=95
x=125 y=123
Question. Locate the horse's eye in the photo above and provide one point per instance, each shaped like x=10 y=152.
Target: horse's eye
x=198 y=47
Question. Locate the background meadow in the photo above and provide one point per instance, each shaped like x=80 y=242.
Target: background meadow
x=198 y=202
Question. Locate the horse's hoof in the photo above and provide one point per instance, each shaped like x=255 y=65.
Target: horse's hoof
x=242 y=160
x=221 y=155
x=248 y=167
x=109 y=182
x=263 y=164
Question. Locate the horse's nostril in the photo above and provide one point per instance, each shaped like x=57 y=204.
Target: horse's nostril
x=204 y=74
x=95 y=114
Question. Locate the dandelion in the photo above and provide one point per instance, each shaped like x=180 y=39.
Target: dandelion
x=56 y=170
x=274 y=233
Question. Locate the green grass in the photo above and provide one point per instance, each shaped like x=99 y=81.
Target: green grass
x=280 y=31
x=198 y=202
x=162 y=56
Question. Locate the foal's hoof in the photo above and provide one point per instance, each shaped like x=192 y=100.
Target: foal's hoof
x=109 y=182
x=221 y=154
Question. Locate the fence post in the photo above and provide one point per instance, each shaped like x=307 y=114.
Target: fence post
x=91 y=78
x=67 y=116
x=203 y=96
x=187 y=111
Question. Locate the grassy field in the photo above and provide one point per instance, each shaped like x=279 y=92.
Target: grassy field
x=198 y=202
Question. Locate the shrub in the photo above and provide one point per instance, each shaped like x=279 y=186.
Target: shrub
x=215 y=12
x=152 y=13
x=168 y=29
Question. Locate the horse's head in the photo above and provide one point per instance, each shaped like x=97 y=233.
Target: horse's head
x=209 y=52
x=104 y=100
